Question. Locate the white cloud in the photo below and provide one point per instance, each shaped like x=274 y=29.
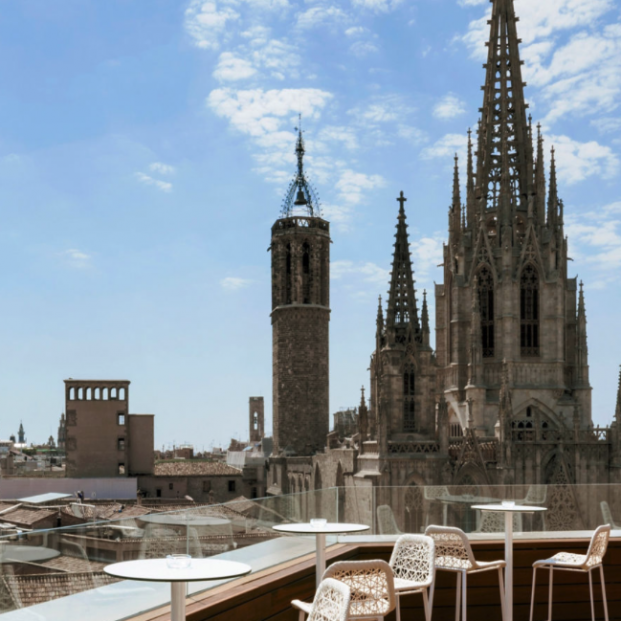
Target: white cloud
x=260 y=113
x=576 y=161
x=595 y=239
x=231 y=68
x=320 y=15
x=355 y=31
x=369 y=272
x=378 y=6
x=363 y=48
x=344 y=135
x=353 y=185
x=162 y=169
x=427 y=254
x=411 y=134
x=278 y=58
x=206 y=23
x=449 y=107
x=232 y=283
x=607 y=125
x=76 y=258
x=164 y=186
x=446 y=147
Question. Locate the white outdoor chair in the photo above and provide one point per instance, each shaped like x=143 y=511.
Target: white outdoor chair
x=584 y=563
x=413 y=565
x=331 y=602
x=454 y=553
x=386 y=522
x=607 y=515
x=372 y=589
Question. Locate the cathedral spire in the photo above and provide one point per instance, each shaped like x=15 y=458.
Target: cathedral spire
x=425 y=320
x=470 y=202
x=455 y=211
x=553 y=195
x=582 y=351
x=402 y=312
x=300 y=195
x=504 y=159
x=540 y=180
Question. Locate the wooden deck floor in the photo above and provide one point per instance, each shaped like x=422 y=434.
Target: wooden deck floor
x=266 y=596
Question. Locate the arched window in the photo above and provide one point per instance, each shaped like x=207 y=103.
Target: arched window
x=288 y=276
x=409 y=404
x=306 y=273
x=529 y=311
x=486 y=308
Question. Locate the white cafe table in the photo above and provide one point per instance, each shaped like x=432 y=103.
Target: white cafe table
x=157 y=570
x=11 y=553
x=509 y=509
x=330 y=528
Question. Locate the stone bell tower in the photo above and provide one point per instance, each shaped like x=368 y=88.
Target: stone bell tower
x=300 y=319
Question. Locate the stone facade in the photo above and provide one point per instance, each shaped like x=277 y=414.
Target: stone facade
x=300 y=323
x=505 y=398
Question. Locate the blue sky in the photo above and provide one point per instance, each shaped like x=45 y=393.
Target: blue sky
x=145 y=148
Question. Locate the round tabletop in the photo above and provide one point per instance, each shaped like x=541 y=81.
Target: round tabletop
x=157 y=570
x=26 y=554
x=329 y=528
x=182 y=519
x=509 y=508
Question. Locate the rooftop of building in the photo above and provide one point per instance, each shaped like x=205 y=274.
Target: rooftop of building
x=194 y=468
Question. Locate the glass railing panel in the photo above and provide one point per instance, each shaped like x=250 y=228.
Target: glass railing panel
x=58 y=565
x=569 y=508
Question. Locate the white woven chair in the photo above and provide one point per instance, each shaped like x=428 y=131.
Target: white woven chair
x=413 y=565
x=372 y=588
x=454 y=553
x=607 y=515
x=331 y=602
x=584 y=563
x=386 y=523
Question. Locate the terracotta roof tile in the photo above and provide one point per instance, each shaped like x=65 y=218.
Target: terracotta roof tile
x=40 y=588
x=26 y=517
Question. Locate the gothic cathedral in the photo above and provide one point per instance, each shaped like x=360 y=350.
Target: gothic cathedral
x=505 y=397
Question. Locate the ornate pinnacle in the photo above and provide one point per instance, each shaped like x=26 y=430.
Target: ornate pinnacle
x=362 y=400
x=553 y=195
x=425 y=320
x=456 y=192
x=300 y=193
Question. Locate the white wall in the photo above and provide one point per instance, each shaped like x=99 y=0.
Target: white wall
x=105 y=488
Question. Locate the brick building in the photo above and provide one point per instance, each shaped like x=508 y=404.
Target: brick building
x=102 y=438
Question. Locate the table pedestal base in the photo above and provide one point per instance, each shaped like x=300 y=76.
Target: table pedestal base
x=177 y=601
x=321 y=557
x=509 y=567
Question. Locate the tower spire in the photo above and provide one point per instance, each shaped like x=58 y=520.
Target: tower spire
x=470 y=183
x=455 y=212
x=300 y=194
x=402 y=313
x=553 y=195
x=540 y=179
x=425 y=320
x=504 y=157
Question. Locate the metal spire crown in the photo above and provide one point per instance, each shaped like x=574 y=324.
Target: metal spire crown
x=301 y=194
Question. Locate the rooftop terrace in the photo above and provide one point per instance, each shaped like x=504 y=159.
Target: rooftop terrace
x=58 y=573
